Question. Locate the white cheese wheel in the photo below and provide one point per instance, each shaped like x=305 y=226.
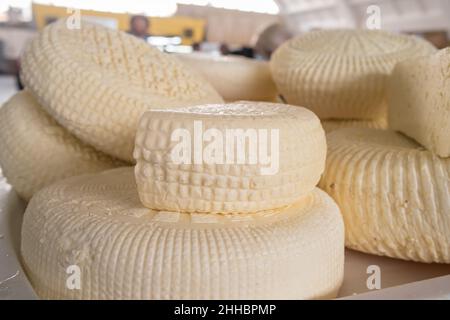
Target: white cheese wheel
x=342 y=74
x=97 y=82
x=332 y=125
x=393 y=194
x=235 y=78
x=419 y=101
x=96 y=226
x=238 y=157
x=36 y=151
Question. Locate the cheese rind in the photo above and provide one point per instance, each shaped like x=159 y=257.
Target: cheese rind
x=36 y=151
x=290 y=166
x=125 y=251
x=393 y=194
x=342 y=74
x=97 y=82
x=419 y=101
x=235 y=78
x=333 y=125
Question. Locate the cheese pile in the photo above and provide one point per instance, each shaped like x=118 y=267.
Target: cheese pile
x=235 y=78
x=342 y=75
x=393 y=192
x=252 y=228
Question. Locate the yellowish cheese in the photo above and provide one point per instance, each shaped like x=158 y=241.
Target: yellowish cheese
x=419 y=101
x=342 y=74
x=394 y=195
x=97 y=82
x=95 y=229
x=227 y=158
x=332 y=125
x=235 y=78
x=35 y=151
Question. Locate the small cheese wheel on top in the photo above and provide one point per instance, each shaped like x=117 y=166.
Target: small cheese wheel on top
x=125 y=251
x=332 y=125
x=235 y=78
x=342 y=74
x=419 y=101
x=394 y=195
x=97 y=82
x=227 y=158
x=36 y=151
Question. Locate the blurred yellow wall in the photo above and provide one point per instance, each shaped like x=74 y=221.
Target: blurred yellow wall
x=170 y=26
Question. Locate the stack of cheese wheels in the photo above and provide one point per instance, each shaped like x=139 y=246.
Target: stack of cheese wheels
x=342 y=74
x=419 y=98
x=97 y=82
x=235 y=78
x=36 y=151
x=394 y=194
x=134 y=233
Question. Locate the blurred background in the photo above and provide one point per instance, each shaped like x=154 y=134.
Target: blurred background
x=252 y=28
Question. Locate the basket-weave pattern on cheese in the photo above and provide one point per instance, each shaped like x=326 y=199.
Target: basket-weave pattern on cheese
x=97 y=82
x=125 y=251
x=394 y=195
x=342 y=74
x=239 y=157
x=35 y=151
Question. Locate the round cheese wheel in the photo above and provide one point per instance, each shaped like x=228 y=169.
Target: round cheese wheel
x=91 y=232
x=342 y=74
x=97 y=82
x=36 y=151
x=235 y=78
x=238 y=157
x=332 y=125
x=394 y=195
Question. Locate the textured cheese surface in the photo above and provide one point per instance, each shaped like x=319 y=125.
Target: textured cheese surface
x=332 y=125
x=419 y=101
x=235 y=78
x=393 y=194
x=35 y=151
x=228 y=187
x=125 y=251
x=97 y=82
x=342 y=74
